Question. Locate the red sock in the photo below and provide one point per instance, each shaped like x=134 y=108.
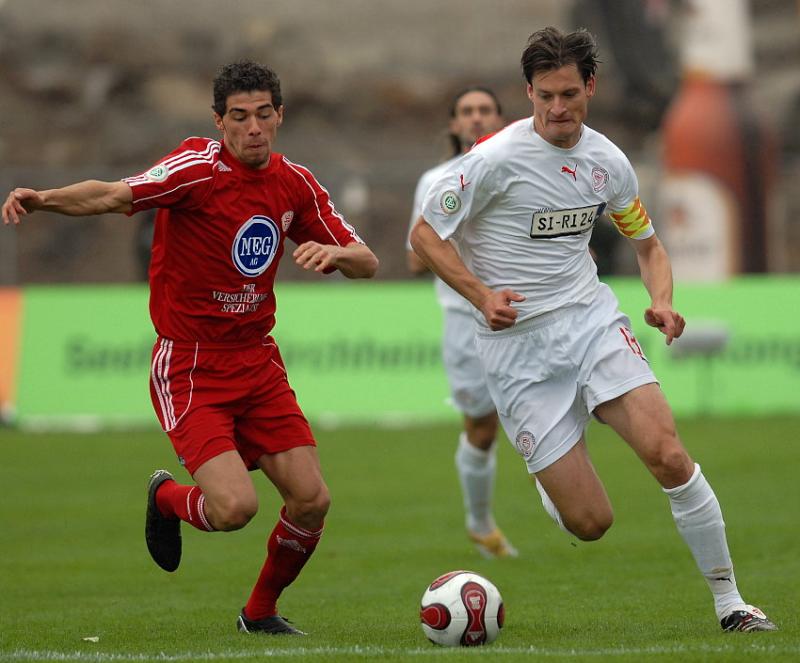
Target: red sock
x=288 y=549
x=175 y=500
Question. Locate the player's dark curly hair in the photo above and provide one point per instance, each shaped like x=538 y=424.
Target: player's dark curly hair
x=455 y=141
x=551 y=49
x=245 y=76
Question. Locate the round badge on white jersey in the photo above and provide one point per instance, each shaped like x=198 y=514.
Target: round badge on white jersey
x=450 y=202
x=255 y=245
x=599 y=178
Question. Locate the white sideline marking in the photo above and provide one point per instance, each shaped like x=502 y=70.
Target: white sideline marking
x=98 y=657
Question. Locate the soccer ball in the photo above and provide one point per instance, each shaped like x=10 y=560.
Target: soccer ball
x=461 y=608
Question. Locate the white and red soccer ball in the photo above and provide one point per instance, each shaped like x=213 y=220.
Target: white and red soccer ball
x=461 y=608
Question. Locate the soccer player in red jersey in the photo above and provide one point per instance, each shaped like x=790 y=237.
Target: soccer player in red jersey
x=218 y=383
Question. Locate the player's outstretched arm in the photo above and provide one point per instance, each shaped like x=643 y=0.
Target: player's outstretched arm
x=355 y=260
x=442 y=259
x=81 y=199
x=656 y=270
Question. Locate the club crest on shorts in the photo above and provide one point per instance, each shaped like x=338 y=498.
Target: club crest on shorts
x=525 y=444
x=255 y=245
x=450 y=202
x=599 y=178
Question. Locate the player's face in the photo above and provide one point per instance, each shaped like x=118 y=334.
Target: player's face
x=560 y=103
x=475 y=116
x=249 y=126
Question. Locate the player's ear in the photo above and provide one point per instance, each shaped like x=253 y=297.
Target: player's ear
x=453 y=126
x=530 y=91
x=279 y=113
x=590 y=87
x=218 y=122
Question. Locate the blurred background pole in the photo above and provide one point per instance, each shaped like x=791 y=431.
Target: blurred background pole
x=719 y=158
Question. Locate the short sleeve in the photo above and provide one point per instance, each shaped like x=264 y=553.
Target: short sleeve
x=182 y=179
x=419 y=198
x=459 y=194
x=317 y=220
x=626 y=189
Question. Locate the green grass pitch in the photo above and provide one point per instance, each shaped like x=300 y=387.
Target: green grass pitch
x=73 y=563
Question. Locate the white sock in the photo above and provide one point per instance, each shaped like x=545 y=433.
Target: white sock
x=476 y=470
x=551 y=509
x=699 y=520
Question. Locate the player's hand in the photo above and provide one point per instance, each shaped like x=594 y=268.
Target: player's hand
x=319 y=257
x=497 y=309
x=19 y=203
x=668 y=322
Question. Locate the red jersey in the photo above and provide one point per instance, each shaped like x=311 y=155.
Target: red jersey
x=219 y=235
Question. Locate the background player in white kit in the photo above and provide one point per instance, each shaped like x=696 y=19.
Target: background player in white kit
x=520 y=207
x=475 y=112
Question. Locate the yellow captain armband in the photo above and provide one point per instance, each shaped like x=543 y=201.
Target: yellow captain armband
x=633 y=220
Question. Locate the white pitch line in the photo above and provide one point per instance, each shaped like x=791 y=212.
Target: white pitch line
x=100 y=657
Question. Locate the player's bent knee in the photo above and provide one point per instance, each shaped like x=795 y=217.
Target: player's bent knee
x=671 y=465
x=233 y=513
x=591 y=533
x=591 y=527
x=310 y=513
x=233 y=520
x=483 y=438
x=319 y=507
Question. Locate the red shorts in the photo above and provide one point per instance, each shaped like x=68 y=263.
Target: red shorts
x=213 y=398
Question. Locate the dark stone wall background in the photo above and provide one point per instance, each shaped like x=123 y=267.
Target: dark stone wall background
x=102 y=88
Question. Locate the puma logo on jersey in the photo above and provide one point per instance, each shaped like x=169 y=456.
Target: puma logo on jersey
x=571 y=171
x=464 y=184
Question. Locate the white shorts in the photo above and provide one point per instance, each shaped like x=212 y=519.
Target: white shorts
x=547 y=374
x=468 y=389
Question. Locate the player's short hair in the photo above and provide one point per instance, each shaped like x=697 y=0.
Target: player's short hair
x=455 y=141
x=551 y=49
x=245 y=76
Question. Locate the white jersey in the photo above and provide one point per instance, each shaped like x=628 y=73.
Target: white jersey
x=521 y=212
x=448 y=298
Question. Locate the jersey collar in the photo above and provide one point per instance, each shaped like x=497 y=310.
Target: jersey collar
x=227 y=157
x=549 y=145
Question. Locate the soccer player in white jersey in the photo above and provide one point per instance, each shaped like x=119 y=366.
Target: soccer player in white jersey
x=475 y=112
x=520 y=206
